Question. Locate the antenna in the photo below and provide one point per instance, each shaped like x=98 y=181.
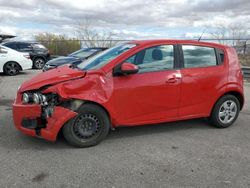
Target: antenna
x=201 y=35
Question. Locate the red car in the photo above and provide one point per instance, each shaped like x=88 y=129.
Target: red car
x=136 y=83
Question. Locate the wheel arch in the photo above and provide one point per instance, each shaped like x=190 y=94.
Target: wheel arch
x=97 y=104
x=81 y=103
x=13 y=62
x=238 y=95
x=39 y=56
x=235 y=93
x=74 y=104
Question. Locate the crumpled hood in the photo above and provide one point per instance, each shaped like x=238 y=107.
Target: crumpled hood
x=54 y=76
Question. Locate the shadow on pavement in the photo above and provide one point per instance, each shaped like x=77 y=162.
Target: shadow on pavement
x=20 y=141
x=20 y=73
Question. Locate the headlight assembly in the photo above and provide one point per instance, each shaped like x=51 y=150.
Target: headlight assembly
x=36 y=98
x=39 y=98
x=27 y=98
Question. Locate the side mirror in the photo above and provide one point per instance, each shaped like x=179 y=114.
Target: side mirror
x=129 y=68
x=3 y=51
x=125 y=69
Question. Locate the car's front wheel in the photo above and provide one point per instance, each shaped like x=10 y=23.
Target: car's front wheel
x=39 y=63
x=225 y=111
x=11 y=68
x=88 y=128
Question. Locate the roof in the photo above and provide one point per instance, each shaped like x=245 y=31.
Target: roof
x=6 y=36
x=194 y=42
x=3 y=37
x=27 y=42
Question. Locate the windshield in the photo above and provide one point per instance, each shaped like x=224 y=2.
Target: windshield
x=83 y=53
x=104 y=57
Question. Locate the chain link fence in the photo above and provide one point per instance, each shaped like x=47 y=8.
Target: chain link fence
x=242 y=46
x=65 y=47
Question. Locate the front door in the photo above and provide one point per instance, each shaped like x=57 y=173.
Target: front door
x=152 y=95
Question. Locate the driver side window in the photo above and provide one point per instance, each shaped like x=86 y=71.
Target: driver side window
x=156 y=58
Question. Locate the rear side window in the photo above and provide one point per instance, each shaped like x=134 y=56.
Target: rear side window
x=10 y=45
x=24 y=45
x=220 y=56
x=198 y=56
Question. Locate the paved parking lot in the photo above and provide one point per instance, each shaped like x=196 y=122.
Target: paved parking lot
x=180 y=154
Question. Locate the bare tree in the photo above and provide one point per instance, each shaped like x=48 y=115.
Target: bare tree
x=237 y=33
x=219 y=33
x=92 y=37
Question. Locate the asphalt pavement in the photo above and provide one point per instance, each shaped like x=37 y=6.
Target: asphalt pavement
x=179 y=154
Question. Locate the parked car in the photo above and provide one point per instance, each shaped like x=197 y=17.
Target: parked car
x=74 y=58
x=12 y=62
x=136 y=83
x=38 y=53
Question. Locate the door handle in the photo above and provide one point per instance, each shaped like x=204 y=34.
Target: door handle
x=174 y=78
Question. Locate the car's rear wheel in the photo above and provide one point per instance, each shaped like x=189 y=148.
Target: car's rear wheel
x=225 y=111
x=11 y=68
x=88 y=128
x=39 y=63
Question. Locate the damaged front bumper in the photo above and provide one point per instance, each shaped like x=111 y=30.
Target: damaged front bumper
x=29 y=119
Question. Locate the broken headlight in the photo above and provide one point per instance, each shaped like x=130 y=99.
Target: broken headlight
x=36 y=98
x=27 y=98
x=39 y=98
x=47 y=101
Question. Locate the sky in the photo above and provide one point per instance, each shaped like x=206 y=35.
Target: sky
x=133 y=19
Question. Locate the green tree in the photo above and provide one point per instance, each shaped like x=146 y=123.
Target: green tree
x=58 y=44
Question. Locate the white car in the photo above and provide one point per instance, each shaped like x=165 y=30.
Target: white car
x=12 y=61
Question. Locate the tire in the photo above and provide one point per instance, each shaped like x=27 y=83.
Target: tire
x=225 y=111
x=88 y=128
x=11 y=68
x=39 y=63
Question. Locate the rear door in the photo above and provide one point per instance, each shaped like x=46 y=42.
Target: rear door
x=203 y=76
